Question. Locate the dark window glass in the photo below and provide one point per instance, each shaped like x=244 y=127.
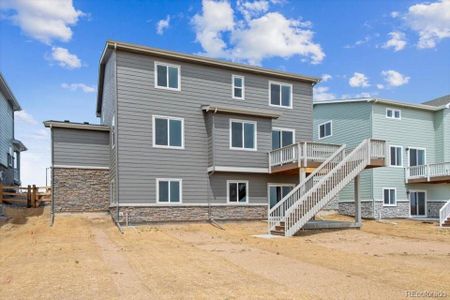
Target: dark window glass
x=275 y=94
x=238 y=92
x=421 y=203
x=173 y=77
x=389 y=113
x=386 y=196
x=162 y=75
x=242 y=192
x=237 y=82
x=397 y=114
x=286 y=96
x=233 y=192
x=174 y=191
x=276 y=139
x=164 y=191
x=287 y=138
x=161 y=131
x=236 y=134
x=175 y=133
x=413 y=157
x=249 y=135
x=392 y=197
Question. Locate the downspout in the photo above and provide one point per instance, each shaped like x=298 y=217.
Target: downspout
x=116 y=136
x=52 y=219
x=371 y=134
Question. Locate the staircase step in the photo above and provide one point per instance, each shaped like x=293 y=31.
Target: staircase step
x=277 y=232
x=279 y=228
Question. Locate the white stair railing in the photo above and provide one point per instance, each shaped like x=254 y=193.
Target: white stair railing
x=277 y=212
x=444 y=213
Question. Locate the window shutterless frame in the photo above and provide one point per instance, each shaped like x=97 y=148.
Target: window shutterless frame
x=237 y=199
x=167 y=65
x=397 y=158
x=391 y=112
x=242 y=88
x=281 y=185
x=169 y=180
x=281 y=130
x=281 y=84
x=389 y=193
x=325 y=133
x=255 y=135
x=154 y=117
x=420 y=149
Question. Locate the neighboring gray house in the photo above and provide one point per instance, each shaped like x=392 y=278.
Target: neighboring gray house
x=184 y=137
x=10 y=148
x=416 y=182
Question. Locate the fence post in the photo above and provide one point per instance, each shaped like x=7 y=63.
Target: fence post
x=1 y=193
x=34 y=196
x=29 y=196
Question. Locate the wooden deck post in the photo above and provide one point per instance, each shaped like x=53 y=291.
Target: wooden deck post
x=34 y=196
x=29 y=196
x=357 y=200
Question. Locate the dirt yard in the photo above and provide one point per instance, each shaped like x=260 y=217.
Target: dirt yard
x=85 y=257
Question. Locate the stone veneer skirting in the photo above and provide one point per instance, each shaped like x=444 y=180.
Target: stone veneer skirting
x=81 y=190
x=139 y=214
x=433 y=208
x=401 y=210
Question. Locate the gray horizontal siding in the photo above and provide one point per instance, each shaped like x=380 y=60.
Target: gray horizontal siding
x=84 y=148
x=6 y=129
x=140 y=164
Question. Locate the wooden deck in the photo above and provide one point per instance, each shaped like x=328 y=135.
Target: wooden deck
x=433 y=180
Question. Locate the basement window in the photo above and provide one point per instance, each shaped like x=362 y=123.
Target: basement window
x=237 y=191
x=168 y=190
x=389 y=197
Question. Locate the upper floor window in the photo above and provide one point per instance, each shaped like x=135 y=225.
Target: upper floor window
x=237 y=191
x=168 y=190
x=390 y=196
x=280 y=94
x=325 y=130
x=238 y=87
x=393 y=113
x=243 y=135
x=168 y=132
x=282 y=137
x=167 y=76
x=417 y=157
x=9 y=157
x=396 y=156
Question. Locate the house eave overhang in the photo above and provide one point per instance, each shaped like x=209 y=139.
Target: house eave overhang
x=73 y=125
x=111 y=45
x=6 y=91
x=240 y=111
x=19 y=146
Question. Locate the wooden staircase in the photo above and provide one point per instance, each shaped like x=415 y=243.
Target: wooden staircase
x=446 y=223
x=289 y=215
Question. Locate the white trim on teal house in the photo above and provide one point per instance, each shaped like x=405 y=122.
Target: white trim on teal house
x=418 y=126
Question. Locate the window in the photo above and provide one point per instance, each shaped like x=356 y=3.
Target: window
x=237 y=191
x=16 y=160
x=9 y=157
x=168 y=190
x=389 y=196
x=325 y=130
x=393 y=113
x=396 y=156
x=238 y=87
x=113 y=131
x=278 y=192
x=242 y=135
x=168 y=132
x=282 y=137
x=167 y=76
x=417 y=157
x=280 y=94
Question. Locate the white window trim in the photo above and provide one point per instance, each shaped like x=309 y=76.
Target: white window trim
x=417 y=148
x=169 y=180
x=154 y=117
x=393 y=113
x=269 y=185
x=281 y=84
x=331 y=130
x=426 y=200
x=395 y=193
x=255 y=135
x=401 y=151
x=286 y=129
x=113 y=132
x=233 y=87
x=246 y=194
x=159 y=63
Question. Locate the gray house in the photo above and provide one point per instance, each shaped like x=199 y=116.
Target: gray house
x=10 y=148
x=184 y=137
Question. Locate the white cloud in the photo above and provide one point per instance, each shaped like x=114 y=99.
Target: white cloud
x=162 y=25
x=397 y=41
x=394 y=78
x=79 y=86
x=43 y=20
x=358 y=80
x=380 y=86
x=363 y=41
x=23 y=116
x=259 y=35
x=326 y=77
x=65 y=59
x=431 y=21
x=252 y=9
x=322 y=93
x=395 y=14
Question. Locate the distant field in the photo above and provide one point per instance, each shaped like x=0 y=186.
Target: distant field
x=85 y=257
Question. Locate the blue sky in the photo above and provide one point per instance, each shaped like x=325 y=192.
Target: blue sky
x=49 y=49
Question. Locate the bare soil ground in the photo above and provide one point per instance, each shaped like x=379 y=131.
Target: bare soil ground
x=85 y=257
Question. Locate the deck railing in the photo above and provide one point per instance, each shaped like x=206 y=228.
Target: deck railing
x=444 y=213
x=428 y=171
x=301 y=151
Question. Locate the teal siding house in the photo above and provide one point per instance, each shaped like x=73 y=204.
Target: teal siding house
x=416 y=179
